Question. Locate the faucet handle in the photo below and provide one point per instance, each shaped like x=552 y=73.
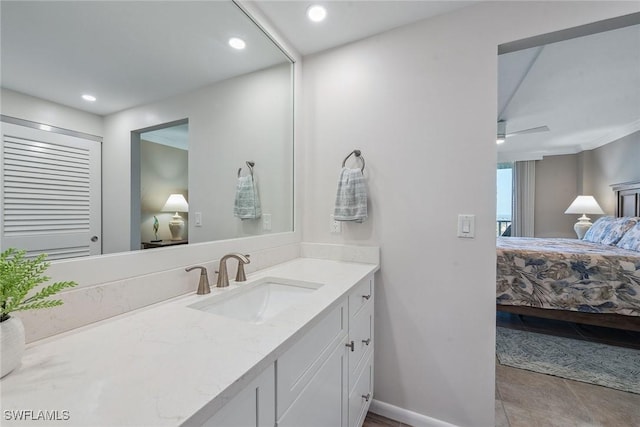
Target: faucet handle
x=240 y=275
x=203 y=284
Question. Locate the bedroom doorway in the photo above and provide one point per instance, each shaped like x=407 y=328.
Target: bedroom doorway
x=160 y=185
x=579 y=84
x=568 y=106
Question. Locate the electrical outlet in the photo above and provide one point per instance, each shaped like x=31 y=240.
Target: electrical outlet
x=336 y=226
x=266 y=222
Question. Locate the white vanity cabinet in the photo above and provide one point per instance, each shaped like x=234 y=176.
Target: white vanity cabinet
x=324 y=379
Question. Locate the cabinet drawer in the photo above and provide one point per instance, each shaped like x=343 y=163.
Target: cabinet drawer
x=361 y=334
x=296 y=367
x=360 y=397
x=361 y=294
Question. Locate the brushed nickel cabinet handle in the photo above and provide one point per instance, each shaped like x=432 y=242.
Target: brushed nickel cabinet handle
x=352 y=345
x=367 y=341
x=366 y=296
x=366 y=397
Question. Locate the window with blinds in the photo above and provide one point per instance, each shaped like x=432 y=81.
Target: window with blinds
x=49 y=189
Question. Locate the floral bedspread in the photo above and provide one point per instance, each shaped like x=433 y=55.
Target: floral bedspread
x=567 y=274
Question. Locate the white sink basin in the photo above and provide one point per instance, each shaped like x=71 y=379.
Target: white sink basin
x=258 y=301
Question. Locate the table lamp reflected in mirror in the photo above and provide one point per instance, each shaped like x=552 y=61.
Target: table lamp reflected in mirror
x=176 y=203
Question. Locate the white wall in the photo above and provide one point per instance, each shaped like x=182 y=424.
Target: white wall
x=559 y=179
x=420 y=102
x=614 y=163
x=240 y=119
x=25 y=107
x=556 y=187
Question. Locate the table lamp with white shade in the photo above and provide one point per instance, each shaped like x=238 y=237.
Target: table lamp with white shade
x=584 y=205
x=176 y=203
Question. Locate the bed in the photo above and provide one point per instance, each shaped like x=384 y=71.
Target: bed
x=575 y=280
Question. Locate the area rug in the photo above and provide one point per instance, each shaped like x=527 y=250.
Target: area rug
x=589 y=362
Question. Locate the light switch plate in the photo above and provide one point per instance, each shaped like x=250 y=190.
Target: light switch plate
x=466 y=226
x=198 y=219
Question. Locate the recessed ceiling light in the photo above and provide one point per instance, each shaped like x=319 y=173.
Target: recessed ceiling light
x=237 y=43
x=316 y=13
x=88 y=97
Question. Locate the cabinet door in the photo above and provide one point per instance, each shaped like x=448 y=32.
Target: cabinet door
x=298 y=365
x=360 y=397
x=321 y=402
x=253 y=406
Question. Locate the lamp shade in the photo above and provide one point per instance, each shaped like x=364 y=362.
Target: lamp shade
x=176 y=203
x=584 y=205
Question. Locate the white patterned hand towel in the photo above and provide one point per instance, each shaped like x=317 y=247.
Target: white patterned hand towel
x=351 y=198
x=247 y=205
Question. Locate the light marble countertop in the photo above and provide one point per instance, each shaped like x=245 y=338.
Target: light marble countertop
x=166 y=364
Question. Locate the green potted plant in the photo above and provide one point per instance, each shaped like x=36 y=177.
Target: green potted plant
x=19 y=276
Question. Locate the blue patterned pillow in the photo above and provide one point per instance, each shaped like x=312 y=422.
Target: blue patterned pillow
x=609 y=230
x=599 y=229
x=631 y=239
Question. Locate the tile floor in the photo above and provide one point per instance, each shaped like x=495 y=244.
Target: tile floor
x=525 y=398
x=530 y=399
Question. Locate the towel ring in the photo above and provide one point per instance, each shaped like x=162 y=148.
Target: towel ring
x=358 y=154
x=250 y=165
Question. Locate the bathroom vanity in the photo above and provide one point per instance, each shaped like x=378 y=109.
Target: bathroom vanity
x=306 y=359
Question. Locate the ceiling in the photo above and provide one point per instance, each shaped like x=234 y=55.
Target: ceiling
x=129 y=53
x=347 y=21
x=586 y=90
x=126 y=53
x=176 y=136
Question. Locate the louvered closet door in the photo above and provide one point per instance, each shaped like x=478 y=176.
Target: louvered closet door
x=50 y=192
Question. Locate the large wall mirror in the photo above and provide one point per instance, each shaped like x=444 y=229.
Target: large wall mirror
x=187 y=95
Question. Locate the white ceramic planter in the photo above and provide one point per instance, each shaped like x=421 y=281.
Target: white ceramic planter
x=11 y=344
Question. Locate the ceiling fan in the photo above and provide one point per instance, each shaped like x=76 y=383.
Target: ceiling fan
x=503 y=135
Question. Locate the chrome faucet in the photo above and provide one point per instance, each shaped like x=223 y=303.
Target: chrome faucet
x=203 y=284
x=223 y=276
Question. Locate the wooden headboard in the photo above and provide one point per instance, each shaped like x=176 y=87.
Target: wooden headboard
x=627 y=198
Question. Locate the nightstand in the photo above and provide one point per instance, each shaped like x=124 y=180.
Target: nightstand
x=163 y=243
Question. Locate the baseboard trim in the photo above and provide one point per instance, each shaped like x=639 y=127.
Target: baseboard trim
x=405 y=416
